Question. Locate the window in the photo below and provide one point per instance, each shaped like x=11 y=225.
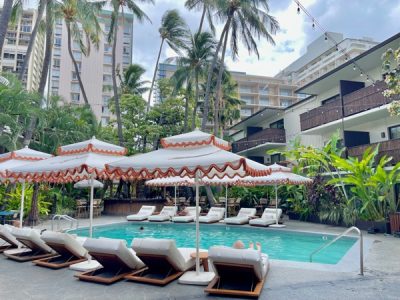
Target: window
x=7 y=55
x=245 y=89
x=245 y=112
x=75 y=45
x=286 y=103
x=57 y=41
x=275 y=158
x=107 y=48
x=127 y=50
x=26 y=28
x=285 y=92
x=106 y=99
x=74 y=76
x=58 y=21
x=57 y=52
x=127 y=30
x=126 y=59
x=55 y=84
x=107 y=59
x=107 y=69
x=394 y=132
x=11 y=41
x=278 y=124
x=58 y=31
x=107 y=88
x=264 y=101
x=107 y=78
x=248 y=100
x=105 y=110
x=263 y=91
x=104 y=121
x=77 y=55
x=75 y=97
x=55 y=73
x=56 y=63
x=75 y=87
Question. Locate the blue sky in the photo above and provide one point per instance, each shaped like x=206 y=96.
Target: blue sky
x=377 y=19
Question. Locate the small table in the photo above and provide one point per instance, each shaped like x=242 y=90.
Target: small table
x=203 y=258
x=4 y=214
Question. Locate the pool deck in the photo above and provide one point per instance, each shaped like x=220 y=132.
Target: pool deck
x=285 y=280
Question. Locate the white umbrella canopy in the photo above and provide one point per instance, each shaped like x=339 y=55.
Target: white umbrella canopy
x=280 y=176
x=196 y=155
x=80 y=161
x=83 y=184
x=18 y=158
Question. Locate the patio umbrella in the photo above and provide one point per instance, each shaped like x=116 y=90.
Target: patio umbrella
x=280 y=176
x=197 y=155
x=80 y=161
x=87 y=184
x=17 y=158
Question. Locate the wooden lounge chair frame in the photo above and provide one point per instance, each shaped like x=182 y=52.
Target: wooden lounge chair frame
x=7 y=245
x=114 y=269
x=231 y=276
x=159 y=270
x=29 y=255
x=65 y=258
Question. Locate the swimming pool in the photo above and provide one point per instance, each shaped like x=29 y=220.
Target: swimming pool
x=278 y=244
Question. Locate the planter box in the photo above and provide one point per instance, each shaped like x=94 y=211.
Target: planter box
x=293 y=215
x=394 y=219
x=377 y=227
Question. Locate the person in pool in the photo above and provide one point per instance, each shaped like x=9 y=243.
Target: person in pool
x=240 y=245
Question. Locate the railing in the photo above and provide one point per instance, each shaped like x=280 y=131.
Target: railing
x=63 y=217
x=390 y=148
x=267 y=135
x=339 y=237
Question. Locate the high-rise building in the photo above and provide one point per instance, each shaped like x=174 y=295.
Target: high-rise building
x=16 y=45
x=164 y=70
x=95 y=69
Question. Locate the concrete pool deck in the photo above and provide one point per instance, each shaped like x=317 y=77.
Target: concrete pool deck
x=284 y=280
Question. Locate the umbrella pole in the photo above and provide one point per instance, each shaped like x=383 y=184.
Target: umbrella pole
x=21 y=213
x=226 y=201
x=276 y=204
x=91 y=207
x=197 y=225
x=175 y=196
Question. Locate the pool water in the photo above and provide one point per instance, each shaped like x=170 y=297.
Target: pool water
x=278 y=244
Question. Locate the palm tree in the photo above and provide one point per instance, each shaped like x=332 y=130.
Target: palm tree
x=131 y=81
x=83 y=28
x=245 y=19
x=4 y=19
x=174 y=31
x=193 y=66
x=41 y=9
x=112 y=37
x=207 y=7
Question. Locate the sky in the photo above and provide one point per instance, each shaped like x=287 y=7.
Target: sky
x=376 y=19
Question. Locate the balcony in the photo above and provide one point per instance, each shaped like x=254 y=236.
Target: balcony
x=321 y=115
x=390 y=148
x=267 y=135
x=353 y=103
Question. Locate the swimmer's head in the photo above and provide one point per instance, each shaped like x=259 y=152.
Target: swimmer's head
x=238 y=245
x=141 y=228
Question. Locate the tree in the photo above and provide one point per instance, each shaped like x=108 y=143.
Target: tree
x=230 y=103
x=118 y=5
x=193 y=66
x=207 y=7
x=174 y=32
x=245 y=20
x=391 y=67
x=131 y=81
x=4 y=19
x=83 y=29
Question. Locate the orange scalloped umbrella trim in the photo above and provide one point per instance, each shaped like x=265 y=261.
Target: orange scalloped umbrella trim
x=210 y=141
x=13 y=155
x=91 y=148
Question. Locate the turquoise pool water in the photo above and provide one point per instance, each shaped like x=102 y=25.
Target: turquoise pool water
x=278 y=244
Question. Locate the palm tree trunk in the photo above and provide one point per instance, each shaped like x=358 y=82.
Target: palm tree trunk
x=196 y=101
x=42 y=6
x=115 y=87
x=33 y=216
x=45 y=68
x=154 y=75
x=186 y=118
x=218 y=88
x=209 y=77
x=85 y=99
x=202 y=18
x=4 y=19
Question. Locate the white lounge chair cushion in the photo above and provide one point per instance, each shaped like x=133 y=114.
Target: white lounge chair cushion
x=115 y=247
x=144 y=212
x=69 y=242
x=33 y=236
x=268 y=217
x=242 y=217
x=214 y=214
x=165 y=214
x=180 y=259
x=250 y=257
x=191 y=215
x=262 y=222
x=237 y=220
x=6 y=235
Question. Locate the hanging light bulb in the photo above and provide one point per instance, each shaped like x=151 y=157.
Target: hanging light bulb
x=313 y=24
x=326 y=37
x=337 y=48
x=346 y=58
x=298 y=9
x=361 y=74
x=354 y=67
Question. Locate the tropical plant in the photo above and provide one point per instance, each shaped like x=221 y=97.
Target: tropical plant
x=174 y=32
x=118 y=5
x=391 y=68
x=131 y=81
x=207 y=7
x=245 y=19
x=4 y=19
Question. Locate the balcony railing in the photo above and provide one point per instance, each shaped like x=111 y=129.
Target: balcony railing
x=390 y=148
x=267 y=135
x=321 y=115
x=353 y=103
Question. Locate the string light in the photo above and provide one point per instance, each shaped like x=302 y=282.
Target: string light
x=361 y=74
x=313 y=24
x=354 y=67
x=298 y=8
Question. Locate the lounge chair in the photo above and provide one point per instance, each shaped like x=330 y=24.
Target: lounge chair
x=215 y=214
x=164 y=261
x=190 y=217
x=117 y=260
x=268 y=217
x=243 y=216
x=36 y=247
x=144 y=212
x=69 y=250
x=239 y=272
x=165 y=214
x=7 y=240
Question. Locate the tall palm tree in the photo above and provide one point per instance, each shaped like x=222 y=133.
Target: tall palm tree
x=131 y=80
x=193 y=66
x=41 y=9
x=118 y=5
x=207 y=7
x=174 y=31
x=83 y=28
x=245 y=19
x=4 y=19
